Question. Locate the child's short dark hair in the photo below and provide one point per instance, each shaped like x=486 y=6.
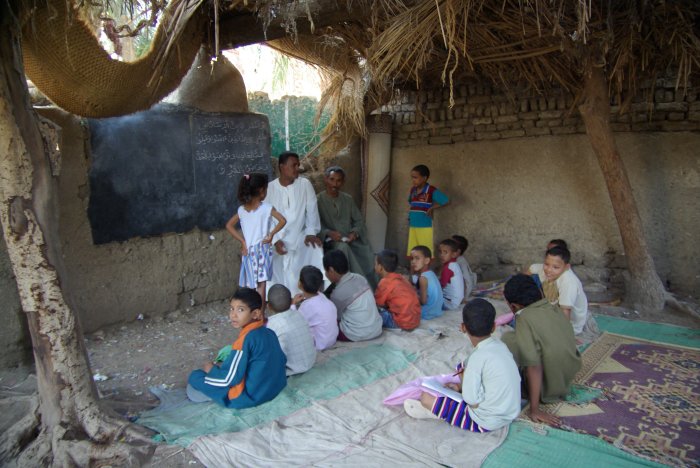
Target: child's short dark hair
x=337 y=260
x=451 y=244
x=249 y=297
x=279 y=298
x=425 y=251
x=561 y=252
x=522 y=289
x=286 y=155
x=479 y=317
x=251 y=185
x=388 y=259
x=558 y=242
x=422 y=169
x=311 y=279
x=462 y=243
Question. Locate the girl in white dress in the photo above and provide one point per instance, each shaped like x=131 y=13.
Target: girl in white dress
x=255 y=236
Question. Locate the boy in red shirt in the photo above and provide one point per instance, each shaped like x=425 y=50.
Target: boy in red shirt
x=396 y=297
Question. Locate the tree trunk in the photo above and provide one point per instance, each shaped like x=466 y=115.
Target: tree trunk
x=74 y=430
x=644 y=290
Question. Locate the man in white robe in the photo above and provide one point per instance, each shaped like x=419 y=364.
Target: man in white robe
x=297 y=244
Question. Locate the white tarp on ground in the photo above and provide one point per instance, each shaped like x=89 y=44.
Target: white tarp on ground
x=357 y=429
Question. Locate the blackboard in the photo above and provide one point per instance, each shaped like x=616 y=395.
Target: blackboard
x=170 y=169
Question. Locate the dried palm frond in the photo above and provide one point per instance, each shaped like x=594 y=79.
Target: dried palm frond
x=537 y=44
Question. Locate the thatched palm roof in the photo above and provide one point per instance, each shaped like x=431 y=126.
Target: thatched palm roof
x=370 y=48
x=539 y=44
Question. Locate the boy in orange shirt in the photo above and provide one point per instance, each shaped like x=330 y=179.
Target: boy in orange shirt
x=396 y=297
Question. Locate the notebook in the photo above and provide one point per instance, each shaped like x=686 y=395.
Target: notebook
x=441 y=389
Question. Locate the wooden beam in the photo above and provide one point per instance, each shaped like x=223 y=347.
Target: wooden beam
x=247 y=28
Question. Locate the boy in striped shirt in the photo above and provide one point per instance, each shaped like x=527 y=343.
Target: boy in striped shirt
x=422 y=201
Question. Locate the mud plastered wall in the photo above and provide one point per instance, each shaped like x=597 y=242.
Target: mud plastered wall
x=519 y=175
x=116 y=282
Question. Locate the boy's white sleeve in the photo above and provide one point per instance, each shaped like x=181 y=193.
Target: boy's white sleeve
x=568 y=291
x=312 y=222
x=458 y=282
x=472 y=389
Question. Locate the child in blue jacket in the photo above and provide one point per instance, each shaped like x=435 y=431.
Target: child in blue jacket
x=253 y=372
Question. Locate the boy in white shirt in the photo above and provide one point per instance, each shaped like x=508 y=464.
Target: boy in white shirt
x=358 y=317
x=562 y=287
x=291 y=329
x=451 y=278
x=490 y=380
x=467 y=273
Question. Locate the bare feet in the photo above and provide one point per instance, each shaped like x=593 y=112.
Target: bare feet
x=427 y=400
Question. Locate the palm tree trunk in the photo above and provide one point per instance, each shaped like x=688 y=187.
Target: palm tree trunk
x=644 y=289
x=73 y=428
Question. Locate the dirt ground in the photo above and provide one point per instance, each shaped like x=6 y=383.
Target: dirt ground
x=128 y=359
x=159 y=351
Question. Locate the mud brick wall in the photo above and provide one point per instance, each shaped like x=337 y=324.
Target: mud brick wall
x=520 y=170
x=425 y=117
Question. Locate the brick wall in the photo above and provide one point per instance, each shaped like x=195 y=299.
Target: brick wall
x=425 y=118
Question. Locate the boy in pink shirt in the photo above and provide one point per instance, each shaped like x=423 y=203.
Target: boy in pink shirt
x=320 y=313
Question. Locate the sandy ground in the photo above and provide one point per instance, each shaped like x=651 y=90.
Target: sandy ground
x=161 y=351
x=128 y=359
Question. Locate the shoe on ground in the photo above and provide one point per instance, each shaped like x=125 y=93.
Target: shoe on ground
x=416 y=410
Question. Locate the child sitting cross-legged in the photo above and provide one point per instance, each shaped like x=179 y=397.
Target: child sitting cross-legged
x=562 y=287
x=320 y=313
x=467 y=273
x=451 y=278
x=291 y=329
x=490 y=380
x=395 y=296
x=253 y=372
x=427 y=283
x=358 y=318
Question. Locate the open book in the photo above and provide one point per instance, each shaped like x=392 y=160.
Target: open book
x=441 y=389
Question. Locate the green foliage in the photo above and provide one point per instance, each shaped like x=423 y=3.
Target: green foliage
x=303 y=133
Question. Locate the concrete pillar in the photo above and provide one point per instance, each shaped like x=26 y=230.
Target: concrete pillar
x=376 y=165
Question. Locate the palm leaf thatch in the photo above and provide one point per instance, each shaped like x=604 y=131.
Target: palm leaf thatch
x=539 y=44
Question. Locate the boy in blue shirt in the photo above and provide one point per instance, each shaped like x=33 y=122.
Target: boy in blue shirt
x=427 y=283
x=254 y=370
x=422 y=200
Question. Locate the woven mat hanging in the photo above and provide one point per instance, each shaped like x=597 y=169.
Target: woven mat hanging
x=65 y=61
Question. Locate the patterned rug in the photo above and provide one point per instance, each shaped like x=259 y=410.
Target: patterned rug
x=651 y=401
x=490 y=289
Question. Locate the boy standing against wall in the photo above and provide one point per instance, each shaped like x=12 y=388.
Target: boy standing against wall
x=422 y=200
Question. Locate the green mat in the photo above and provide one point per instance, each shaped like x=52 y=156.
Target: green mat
x=670 y=334
x=556 y=448
x=581 y=394
x=179 y=421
